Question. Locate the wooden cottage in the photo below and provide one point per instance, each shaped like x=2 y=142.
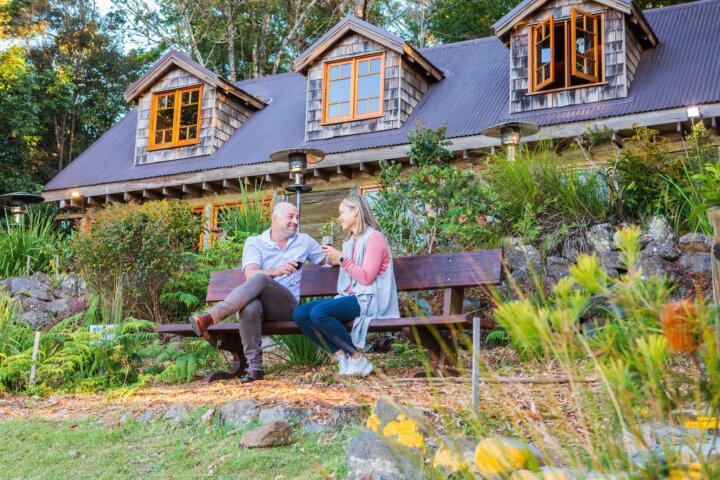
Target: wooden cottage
x=566 y=65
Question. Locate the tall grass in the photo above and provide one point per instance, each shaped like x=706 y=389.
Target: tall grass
x=36 y=238
x=252 y=218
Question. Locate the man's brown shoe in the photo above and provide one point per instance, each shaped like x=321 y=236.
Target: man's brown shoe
x=200 y=323
x=253 y=376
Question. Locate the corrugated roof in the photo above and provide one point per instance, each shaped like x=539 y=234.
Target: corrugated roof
x=684 y=69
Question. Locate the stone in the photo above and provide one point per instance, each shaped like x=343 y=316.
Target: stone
x=557 y=267
x=403 y=425
x=345 y=415
x=37 y=320
x=30 y=287
x=60 y=306
x=239 y=413
x=600 y=237
x=316 y=427
x=570 y=251
x=498 y=456
x=71 y=286
x=664 y=249
x=30 y=304
x=522 y=256
x=654 y=266
x=208 y=416
x=454 y=455
x=611 y=261
x=42 y=278
x=644 y=240
x=696 y=263
x=125 y=418
x=471 y=305
x=147 y=416
x=271 y=434
x=660 y=229
x=284 y=414
x=695 y=243
x=371 y=457
x=178 y=413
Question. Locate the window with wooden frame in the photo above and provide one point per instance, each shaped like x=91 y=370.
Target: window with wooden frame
x=199 y=213
x=353 y=89
x=565 y=53
x=219 y=217
x=175 y=118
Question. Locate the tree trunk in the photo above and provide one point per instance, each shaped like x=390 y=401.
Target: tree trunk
x=230 y=18
x=361 y=8
x=286 y=40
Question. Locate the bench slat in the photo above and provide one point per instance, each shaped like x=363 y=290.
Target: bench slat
x=451 y=270
x=282 y=328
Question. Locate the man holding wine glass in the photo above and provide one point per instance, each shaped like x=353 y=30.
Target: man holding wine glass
x=272 y=262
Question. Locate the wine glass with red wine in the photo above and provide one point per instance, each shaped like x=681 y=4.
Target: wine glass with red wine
x=327 y=240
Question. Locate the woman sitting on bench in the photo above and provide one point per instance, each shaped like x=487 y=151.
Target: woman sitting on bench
x=366 y=290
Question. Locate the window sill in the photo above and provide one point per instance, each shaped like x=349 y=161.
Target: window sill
x=556 y=90
x=356 y=119
x=167 y=147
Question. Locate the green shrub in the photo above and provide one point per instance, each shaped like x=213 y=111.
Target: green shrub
x=299 y=350
x=143 y=245
x=251 y=218
x=36 y=238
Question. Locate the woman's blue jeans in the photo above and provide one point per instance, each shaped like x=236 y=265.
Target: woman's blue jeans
x=323 y=321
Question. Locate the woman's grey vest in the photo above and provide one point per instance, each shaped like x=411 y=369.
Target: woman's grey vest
x=377 y=300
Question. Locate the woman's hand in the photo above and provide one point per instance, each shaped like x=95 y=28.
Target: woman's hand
x=332 y=254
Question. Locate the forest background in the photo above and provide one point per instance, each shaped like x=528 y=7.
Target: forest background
x=64 y=64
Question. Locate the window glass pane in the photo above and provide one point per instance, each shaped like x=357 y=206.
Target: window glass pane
x=168 y=136
x=184 y=98
x=158 y=137
x=364 y=67
x=171 y=101
x=189 y=115
x=374 y=105
x=345 y=109
x=346 y=70
x=544 y=51
x=339 y=90
x=192 y=132
x=164 y=119
x=334 y=71
x=183 y=134
x=369 y=86
x=195 y=97
x=375 y=65
x=332 y=111
x=361 y=107
x=161 y=102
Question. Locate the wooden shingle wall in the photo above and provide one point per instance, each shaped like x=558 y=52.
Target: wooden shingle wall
x=412 y=88
x=350 y=46
x=615 y=83
x=230 y=114
x=634 y=53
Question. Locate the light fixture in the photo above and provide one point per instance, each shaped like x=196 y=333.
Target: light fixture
x=18 y=202
x=693 y=112
x=510 y=134
x=75 y=194
x=297 y=159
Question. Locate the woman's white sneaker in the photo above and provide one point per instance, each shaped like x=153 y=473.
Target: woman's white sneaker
x=358 y=366
x=342 y=364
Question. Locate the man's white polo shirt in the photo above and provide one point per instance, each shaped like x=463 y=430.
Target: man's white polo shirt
x=262 y=250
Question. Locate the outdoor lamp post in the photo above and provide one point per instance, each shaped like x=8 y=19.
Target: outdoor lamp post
x=510 y=134
x=18 y=202
x=298 y=159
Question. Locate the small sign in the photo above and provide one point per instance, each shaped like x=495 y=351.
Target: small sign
x=106 y=330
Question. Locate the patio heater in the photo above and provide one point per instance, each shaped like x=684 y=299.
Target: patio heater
x=18 y=202
x=510 y=134
x=298 y=159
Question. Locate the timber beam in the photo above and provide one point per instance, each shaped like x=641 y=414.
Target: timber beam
x=190 y=189
x=369 y=168
x=111 y=197
x=275 y=180
x=231 y=185
x=95 y=201
x=151 y=195
x=321 y=174
x=344 y=171
x=210 y=187
x=132 y=197
x=171 y=192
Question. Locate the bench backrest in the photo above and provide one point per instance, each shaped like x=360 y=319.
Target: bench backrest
x=429 y=272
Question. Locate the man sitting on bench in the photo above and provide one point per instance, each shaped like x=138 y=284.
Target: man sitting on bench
x=271 y=262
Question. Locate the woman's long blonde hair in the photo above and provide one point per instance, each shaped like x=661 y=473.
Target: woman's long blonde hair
x=365 y=216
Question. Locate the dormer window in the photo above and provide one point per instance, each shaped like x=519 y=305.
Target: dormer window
x=353 y=89
x=566 y=53
x=175 y=118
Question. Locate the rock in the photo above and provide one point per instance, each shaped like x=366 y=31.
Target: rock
x=30 y=287
x=611 y=261
x=695 y=243
x=371 y=457
x=30 y=304
x=455 y=455
x=284 y=414
x=471 y=305
x=660 y=229
x=497 y=456
x=344 y=415
x=600 y=237
x=60 y=307
x=71 y=286
x=664 y=249
x=178 y=413
x=208 y=416
x=522 y=256
x=644 y=240
x=571 y=250
x=557 y=267
x=401 y=424
x=316 y=427
x=147 y=416
x=269 y=435
x=37 y=320
x=239 y=413
x=125 y=418
x=654 y=266
x=41 y=277
x=696 y=263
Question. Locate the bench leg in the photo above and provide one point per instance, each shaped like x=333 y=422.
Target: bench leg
x=231 y=344
x=442 y=350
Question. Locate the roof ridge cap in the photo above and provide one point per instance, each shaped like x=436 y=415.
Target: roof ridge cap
x=697 y=3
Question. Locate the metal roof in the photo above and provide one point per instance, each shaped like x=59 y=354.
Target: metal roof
x=684 y=69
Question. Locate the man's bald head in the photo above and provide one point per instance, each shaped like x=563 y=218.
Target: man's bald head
x=284 y=221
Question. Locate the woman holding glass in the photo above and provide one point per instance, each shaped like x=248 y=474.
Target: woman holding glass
x=366 y=290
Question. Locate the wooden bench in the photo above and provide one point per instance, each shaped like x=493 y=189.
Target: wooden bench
x=453 y=272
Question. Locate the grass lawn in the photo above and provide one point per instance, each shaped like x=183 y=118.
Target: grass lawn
x=34 y=448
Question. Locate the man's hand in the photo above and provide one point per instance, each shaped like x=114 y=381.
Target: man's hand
x=285 y=269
